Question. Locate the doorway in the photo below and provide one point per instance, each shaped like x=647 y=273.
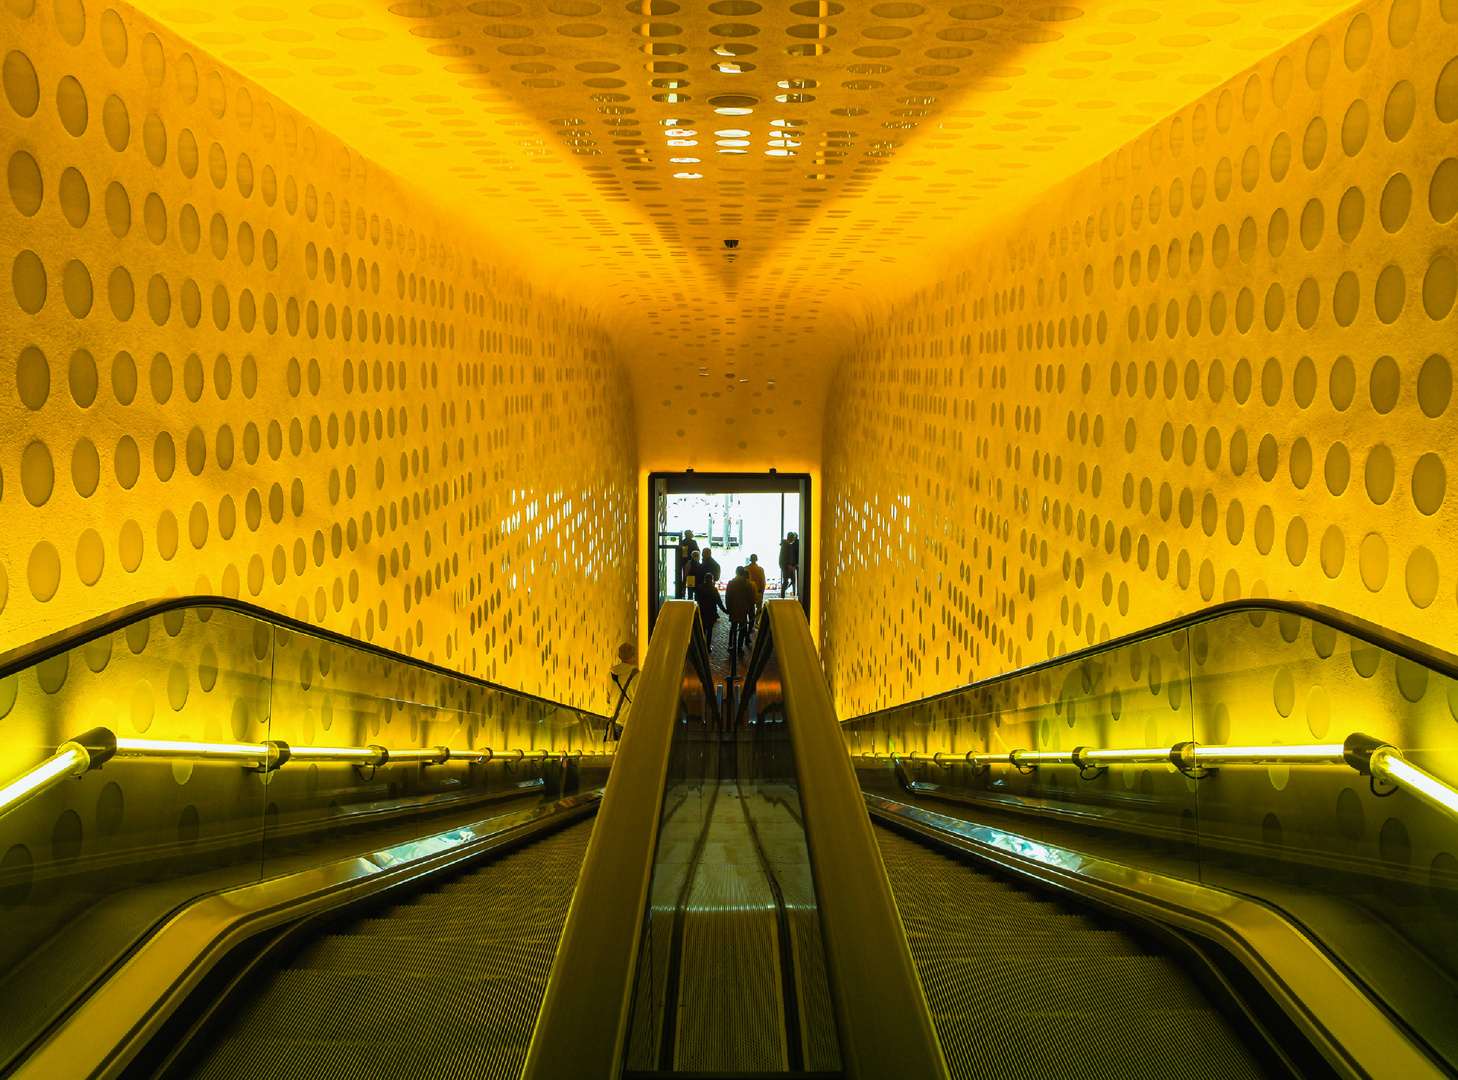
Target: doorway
x=738 y=514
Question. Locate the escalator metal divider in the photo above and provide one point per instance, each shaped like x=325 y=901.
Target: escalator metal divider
x=668 y=1029
x=883 y=1020
x=582 y=1025
x=790 y=997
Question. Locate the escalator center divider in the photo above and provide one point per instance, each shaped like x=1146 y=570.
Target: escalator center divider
x=669 y=1031
x=794 y=1037
x=882 y=1016
x=582 y=1025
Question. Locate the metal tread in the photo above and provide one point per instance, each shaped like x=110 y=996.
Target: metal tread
x=1020 y=987
x=445 y=985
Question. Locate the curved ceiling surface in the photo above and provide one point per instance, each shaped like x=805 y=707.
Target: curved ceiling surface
x=730 y=183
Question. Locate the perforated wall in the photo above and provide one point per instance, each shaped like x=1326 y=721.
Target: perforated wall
x=236 y=357
x=1217 y=365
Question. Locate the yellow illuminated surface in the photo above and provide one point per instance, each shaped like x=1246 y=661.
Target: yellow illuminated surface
x=240 y=358
x=1217 y=364
x=462 y=229
x=584 y=137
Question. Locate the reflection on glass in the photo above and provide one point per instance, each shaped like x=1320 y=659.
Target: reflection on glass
x=1367 y=868
x=89 y=867
x=731 y=971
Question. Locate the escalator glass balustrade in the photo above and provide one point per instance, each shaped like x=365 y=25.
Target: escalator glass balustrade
x=223 y=748
x=1284 y=756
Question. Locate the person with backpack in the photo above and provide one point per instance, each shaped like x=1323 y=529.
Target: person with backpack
x=710 y=564
x=624 y=675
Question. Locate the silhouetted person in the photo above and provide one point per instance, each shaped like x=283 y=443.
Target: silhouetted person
x=789 y=563
x=686 y=547
x=624 y=674
x=741 y=602
x=711 y=567
x=706 y=595
x=756 y=578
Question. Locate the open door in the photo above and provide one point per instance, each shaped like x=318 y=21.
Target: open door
x=739 y=515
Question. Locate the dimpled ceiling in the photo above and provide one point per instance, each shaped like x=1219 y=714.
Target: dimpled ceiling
x=617 y=147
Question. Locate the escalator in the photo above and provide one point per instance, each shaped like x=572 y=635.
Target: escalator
x=1051 y=989
x=1220 y=847
x=964 y=894
x=446 y=983
x=731 y=977
x=237 y=845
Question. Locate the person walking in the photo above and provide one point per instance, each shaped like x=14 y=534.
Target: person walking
x=624 y=675
x=789 y=563
x=710 y=564
x=741 y=602
x=706 y=595
x=686 y=547
x=756 y=578
x=692 y=571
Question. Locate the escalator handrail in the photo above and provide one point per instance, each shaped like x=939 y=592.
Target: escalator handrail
x=883 y=1020
x=27 y=656
x=1444 y=663
x=582 y=1025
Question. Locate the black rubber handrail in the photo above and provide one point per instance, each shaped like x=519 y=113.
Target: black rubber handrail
x=42 y=649
x=1444 y=663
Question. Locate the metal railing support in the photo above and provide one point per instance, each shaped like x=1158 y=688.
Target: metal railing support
x=94 y=748
x=1368 y=755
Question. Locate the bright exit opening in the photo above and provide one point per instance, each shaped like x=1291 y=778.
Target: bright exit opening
x=735 y=516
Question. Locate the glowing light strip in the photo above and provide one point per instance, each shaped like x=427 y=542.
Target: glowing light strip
x=203 y=751
x=1388 y=764
x=69 y=760
x=427 y=753
x=1133 y=756
x=195 y=751
x=362 y=754
x=73 y=758
x=1362 y=752
x=1320 y=754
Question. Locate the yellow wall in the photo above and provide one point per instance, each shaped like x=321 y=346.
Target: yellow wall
x=1217 y=365
x=197 y=280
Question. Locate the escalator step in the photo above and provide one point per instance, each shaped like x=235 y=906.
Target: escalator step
x=1022 y=989
x=445 y=985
